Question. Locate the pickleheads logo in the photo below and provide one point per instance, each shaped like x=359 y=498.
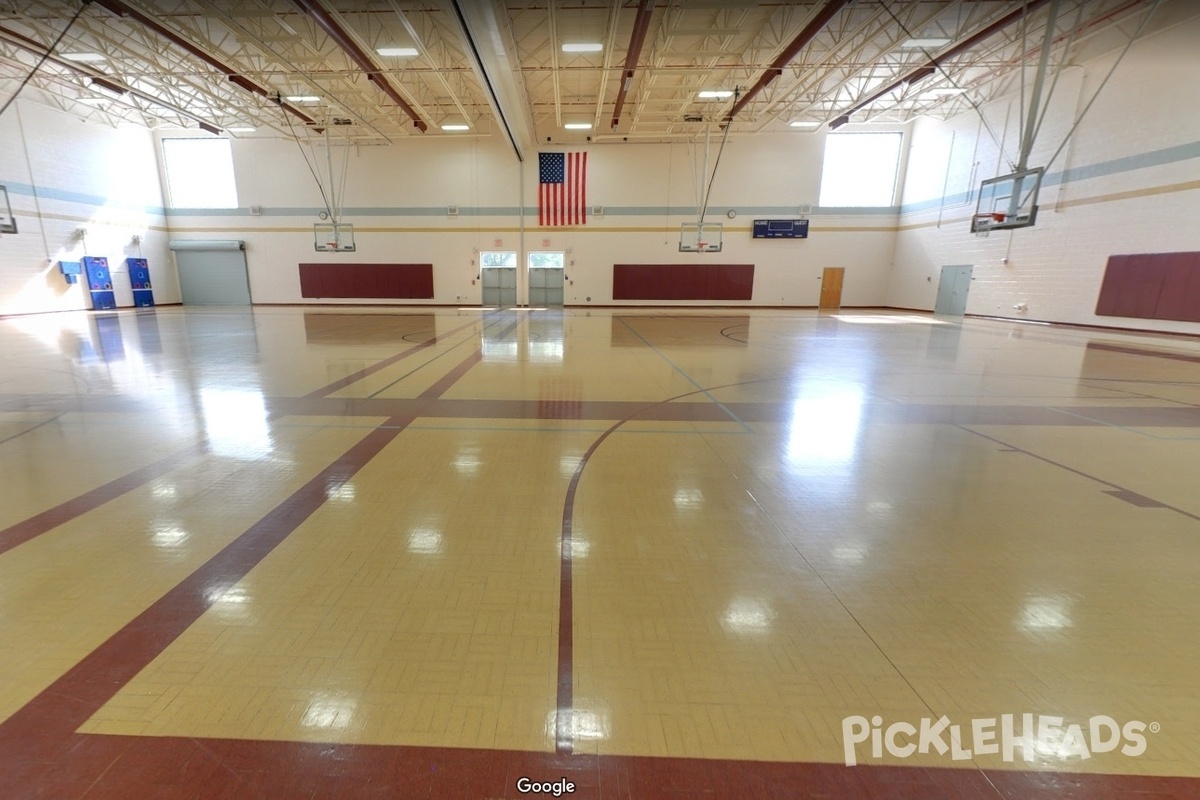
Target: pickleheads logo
x=1033 y=735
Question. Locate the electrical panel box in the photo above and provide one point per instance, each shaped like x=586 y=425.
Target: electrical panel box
x=99 y=282
x=780 y=229
x=139 y=277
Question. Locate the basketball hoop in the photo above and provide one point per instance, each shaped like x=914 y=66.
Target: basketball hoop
x=701 y=247
x=982 y=224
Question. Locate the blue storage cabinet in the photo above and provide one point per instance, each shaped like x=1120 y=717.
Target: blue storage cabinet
x=139 y=276
x=99 y=282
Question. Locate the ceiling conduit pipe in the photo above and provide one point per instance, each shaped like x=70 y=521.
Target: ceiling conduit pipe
x=347 y=43
x=640 y=26
x=802 y=39
x=120 y=9
x=931 y=66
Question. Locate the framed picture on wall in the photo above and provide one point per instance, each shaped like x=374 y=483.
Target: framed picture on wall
x=8 y=223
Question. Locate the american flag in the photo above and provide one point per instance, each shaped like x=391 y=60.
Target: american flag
x=562 y=185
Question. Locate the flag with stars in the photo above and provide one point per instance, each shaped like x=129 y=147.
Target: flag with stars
x=562 y=184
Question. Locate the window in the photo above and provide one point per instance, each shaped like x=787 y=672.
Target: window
x=498 y=258
x=545 y=258
x=199 y=173
x=860 y=169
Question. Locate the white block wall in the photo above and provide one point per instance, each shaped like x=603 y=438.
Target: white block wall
x=1128 y=182
x=397 y=196
x=64 y=175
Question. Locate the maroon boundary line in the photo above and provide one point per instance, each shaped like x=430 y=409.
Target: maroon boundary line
x=21 y=532
x=35 y=526
x=354 y=377
x=44 y=724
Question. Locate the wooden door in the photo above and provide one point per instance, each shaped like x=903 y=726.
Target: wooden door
x=831 y=288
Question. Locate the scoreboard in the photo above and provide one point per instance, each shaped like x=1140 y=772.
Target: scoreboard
x=780 y=229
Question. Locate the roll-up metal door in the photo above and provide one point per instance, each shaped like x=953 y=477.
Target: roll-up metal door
x=212 y=272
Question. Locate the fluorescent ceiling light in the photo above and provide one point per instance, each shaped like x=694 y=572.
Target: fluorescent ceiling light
x=83 y=57
x=241 y=129
x=804 y=124
x=715 y=93
x=397 y=51
x=578 y=126
x=456 y=127
x=302 y=98
x=924 y=44
x=582 y=47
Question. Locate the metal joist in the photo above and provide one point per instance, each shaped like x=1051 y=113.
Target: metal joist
x=641 y=25
x=121 y=9
x=814 y=26
x=345 y=41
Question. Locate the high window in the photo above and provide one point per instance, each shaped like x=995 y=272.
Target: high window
x=860 y=169
x=199 y=173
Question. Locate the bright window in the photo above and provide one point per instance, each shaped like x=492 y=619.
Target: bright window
x=860 y=169
x=200 y=173
x=498 y=258
x=544 y=258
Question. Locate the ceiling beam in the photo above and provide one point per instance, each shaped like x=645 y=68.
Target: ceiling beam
x=119 y=8
x=814 y=26
x=933 y=64
x=641 y=24
x=374 y=74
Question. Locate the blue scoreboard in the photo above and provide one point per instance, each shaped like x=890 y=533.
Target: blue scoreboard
x=780 y=229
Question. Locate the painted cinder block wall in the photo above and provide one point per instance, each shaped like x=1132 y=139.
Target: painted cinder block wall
x=63 y=174
x=397 y=197
x=1127 y=182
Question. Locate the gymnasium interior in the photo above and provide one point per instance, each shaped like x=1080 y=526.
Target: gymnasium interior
x=636 y=399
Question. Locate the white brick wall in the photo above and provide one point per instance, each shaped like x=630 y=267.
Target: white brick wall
x=1147 y=108
x=87 y=176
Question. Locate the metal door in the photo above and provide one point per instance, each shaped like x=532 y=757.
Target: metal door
x=214 y=276
x=953 y=287
x=499 y=286
x=545 y=286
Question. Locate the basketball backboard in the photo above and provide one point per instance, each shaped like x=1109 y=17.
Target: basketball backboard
x=333 y=237
x=697 y=237
x=1009 y=201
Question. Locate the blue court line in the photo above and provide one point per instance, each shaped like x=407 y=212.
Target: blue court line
x=689 y=378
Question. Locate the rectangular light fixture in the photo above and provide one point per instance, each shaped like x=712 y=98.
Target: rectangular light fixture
x=804 y=124
x=709 y=94
x=578 y=126
x=924 y=44
x=456 y=127
x=397 y=52
x=240 y=129
x=83 y=57
x=582 y=47
x=108 y=87
x=302 y=98
x=213 y=129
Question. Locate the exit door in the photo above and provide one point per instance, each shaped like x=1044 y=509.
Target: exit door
x=499 y=272
x=953 y=287
x=546 y=277
x=831 y=288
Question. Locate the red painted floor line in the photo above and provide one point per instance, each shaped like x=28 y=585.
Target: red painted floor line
x=44 y=728
x=124 y=767
x=354 y=377
x=21 y=532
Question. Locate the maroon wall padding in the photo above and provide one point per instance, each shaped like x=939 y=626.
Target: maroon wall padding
x=367 y=281
x=683 y=281
x=1151 y=286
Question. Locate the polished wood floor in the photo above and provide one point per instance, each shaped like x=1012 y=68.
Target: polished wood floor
x=315 y=553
